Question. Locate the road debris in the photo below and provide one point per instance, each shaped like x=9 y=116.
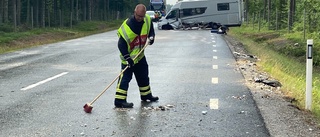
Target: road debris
x=161 y=107
x=243 y=112
x=132 y=118
x=239 y=97
x=122 y=109
x=204 y=112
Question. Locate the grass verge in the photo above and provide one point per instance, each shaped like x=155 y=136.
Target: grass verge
x=12 y=41
x=288 y=70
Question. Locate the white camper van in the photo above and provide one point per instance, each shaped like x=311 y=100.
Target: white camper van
x=204 y=13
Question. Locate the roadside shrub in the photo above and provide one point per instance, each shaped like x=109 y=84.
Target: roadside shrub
x=6 y=28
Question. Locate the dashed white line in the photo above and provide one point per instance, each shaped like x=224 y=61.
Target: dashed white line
x=214 y=66
x=214 y=103
x=44 y=81
x=214 y=80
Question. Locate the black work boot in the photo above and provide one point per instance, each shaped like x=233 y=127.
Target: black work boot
x=150 y=98
x=119 y=103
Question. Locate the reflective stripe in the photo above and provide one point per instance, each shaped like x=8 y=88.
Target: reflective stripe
x=124 y=60
x=145 y=93
x=120 y=79
x=144 y=88
x=126 y=37
x=121 y=97
x=136 y=47
x=148 y=27
x=121 y=91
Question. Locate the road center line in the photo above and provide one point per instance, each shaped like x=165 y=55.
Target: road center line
x=214 y=103
x=214 y=80
x=214 y=66
x=44 y=81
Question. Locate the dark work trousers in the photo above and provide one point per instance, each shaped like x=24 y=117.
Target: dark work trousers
x=141 y=73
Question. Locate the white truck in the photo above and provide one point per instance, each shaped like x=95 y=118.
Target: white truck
x=204 y=14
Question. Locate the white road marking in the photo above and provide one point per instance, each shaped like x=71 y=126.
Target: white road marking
x=214 y=66
x=214 y=50
x=214 y=41
x=44 y=81
x=214 y=80
x=214 y=45
x=214 y=103
x=215 y=57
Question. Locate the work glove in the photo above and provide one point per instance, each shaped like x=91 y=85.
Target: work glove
x=151 y=40
x=130 y=62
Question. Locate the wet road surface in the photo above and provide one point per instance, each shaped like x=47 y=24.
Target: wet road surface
x=193 y=72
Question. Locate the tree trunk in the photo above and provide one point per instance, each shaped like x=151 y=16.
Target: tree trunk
x=28 y=12
x=49 y=17
x=269 y=13
x=77 y=10
x=5 y=11
x=291 y=14
x=265 y=8
x=37 y=13
x=61 y=12
x=89 y=10
x=84 y=10
x=71 y=13
x=14 y=14
x=1 y=11
x=55 y=12
x=43 y=13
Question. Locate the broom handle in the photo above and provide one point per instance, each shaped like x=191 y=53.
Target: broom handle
x=105 y=89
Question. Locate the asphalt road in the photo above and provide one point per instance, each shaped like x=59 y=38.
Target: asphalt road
x=43 y=90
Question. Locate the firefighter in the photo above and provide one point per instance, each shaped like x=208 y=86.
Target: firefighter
x=133 y=35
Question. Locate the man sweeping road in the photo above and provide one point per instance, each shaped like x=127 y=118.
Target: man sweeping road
x=133 y=35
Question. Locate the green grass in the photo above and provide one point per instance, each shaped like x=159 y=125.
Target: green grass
x=287 y=69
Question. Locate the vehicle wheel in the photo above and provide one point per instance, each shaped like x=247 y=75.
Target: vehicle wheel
x=167 y=27
x=214 y=25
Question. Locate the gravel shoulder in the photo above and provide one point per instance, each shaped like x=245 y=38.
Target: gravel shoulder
x=281 y=116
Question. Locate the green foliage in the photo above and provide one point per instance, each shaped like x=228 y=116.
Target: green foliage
x=281 y=61
x=6 y=28
x=17 y=40
x=96 y=25
x=88 y=26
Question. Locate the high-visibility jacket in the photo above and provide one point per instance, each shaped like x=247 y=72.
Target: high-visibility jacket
x=134 y=41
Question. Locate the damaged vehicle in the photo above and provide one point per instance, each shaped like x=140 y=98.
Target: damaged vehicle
x=214 y=14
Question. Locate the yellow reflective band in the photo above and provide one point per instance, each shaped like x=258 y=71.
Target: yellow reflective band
x=144 y=88
x=126 y=37
x=120 y=97
x=121 y=91
x=147 y=23
x=145 y=93
x=120 y=79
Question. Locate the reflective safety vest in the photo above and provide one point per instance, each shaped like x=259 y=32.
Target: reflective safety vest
x=134 y=41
